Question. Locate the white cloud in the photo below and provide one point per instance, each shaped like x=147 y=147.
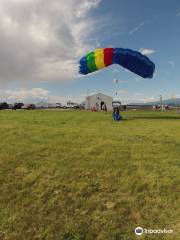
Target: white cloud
x=147 y=51
x=178 y=14
x=36 y=95
x=24 y=95
x=136 y=28
x=171 y=63
x=42 y=40
x=86 y=6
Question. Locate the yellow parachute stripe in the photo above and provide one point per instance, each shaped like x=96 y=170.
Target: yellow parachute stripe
x=99 y=58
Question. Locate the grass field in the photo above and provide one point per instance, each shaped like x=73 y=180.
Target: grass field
x=79 y=175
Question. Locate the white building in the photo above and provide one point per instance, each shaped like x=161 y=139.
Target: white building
x=97 y=101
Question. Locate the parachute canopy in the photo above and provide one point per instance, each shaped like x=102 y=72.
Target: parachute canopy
x=129 y=59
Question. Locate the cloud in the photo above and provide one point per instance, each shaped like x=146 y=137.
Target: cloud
x=171 y=63
x=136 y=28
x=86 y=6
x=36 y=95
x=147 y=51
x=24 y=95
x=178 y=14
x=42 y=40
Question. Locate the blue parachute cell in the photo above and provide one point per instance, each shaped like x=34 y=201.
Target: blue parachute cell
x=83 y=69
x=134 y=61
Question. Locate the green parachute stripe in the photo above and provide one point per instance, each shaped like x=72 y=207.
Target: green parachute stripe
x=91 y=62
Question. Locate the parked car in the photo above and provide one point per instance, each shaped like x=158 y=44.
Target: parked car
x=29 y=106
x=4 y=105
x=54 y=105
x=58 y=105
x=70 y=105
x=18 y=106
x=11 y=106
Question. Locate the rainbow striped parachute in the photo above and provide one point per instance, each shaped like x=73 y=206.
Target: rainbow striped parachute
x=129 y=59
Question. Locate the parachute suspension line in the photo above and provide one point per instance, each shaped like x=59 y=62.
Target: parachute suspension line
x=115 y=82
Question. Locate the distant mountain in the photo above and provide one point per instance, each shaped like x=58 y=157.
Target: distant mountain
x=170 y=102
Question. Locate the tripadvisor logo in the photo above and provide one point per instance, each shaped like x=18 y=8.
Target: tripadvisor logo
x=139 y=231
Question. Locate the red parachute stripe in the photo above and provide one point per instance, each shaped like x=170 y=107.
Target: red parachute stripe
x=108 y=56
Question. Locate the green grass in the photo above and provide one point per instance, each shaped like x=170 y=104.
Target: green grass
x=79 y=175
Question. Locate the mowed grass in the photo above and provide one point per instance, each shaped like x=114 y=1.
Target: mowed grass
x=67 y=175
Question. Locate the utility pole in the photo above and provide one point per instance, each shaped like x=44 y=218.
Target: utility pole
x=88 y=100
x=161 y=102
x=175 y=103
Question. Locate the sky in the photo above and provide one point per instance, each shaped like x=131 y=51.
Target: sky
x=41 y=42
